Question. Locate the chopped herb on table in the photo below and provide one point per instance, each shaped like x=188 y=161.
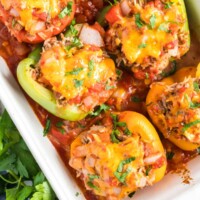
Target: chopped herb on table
x=20 y=176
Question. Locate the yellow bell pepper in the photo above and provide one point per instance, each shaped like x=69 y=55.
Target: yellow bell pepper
x=161 y=90
x=119 y=156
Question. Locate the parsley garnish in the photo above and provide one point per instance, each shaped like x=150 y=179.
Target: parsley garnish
x=101 y=108
x=59 y=126
x=109 y=87
x=90 y=67
x=77 y=194
x=115 y=131
x=194 y=104
x=152 y=21
x=119 y=174
x=196 y=86
x=114 y=135
x=138 y=21
x=91 y=185
x=47 y=127
x=78 y=83
x=66 y=11
x=162 y=27
x=119 y=73
x=124 y=162
x=148 y=169
x=168 y=5
x=75 y=71
x=131 y=194
x=187 y=126
x=91 y=178
x=170 y=155
x=72 y=31
x=75 y=43
x=135 y=99
x=142 y=45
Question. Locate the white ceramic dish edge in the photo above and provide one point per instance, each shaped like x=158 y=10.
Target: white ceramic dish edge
x=32 y=132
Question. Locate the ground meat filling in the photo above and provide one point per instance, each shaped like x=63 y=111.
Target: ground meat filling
x=179 y=110
x=146 y=40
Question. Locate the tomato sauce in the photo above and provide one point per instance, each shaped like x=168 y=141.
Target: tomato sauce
x=62 y=133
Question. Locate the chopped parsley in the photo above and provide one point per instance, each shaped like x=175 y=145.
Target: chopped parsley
x=131 y=194
x=196 y=86
x=47 y=127
x=163 y=27
x=14 y=22
x=59 y=126
x=136 y=99
x=75 y=71
x=72 y=29
x=124 y=162
x=170 y=155
x=113 y=136
x=138 y=21
x=90 y=67
x=93 y=176
x=77 y=194
x=146 y=75
x=119 y=73
x=115 y=132
x=142 y=45
x=101 y=108
x=119 y=174
x=109 y=87
x=187 y=126
x=194 y=104
x=66 y=11
x=152 y=21
x=148 y=169
x=75 y=43
x=168 y=5
x=90 y=183
x=78 y=83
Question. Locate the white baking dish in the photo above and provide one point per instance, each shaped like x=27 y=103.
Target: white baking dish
x=171 y=187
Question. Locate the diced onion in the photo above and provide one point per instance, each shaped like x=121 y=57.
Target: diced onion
x=14 y=12
x=152 y=159
x=89 y=35
x=125 y=8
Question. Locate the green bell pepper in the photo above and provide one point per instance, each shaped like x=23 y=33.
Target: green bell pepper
x=42 y=95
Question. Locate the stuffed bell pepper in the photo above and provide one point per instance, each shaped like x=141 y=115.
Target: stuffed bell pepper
x=174 y=107
x=34 y=21
x=119 y=155
x=147 y=35
x=68 y=77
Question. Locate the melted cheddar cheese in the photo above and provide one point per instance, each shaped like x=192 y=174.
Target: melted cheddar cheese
x=152 y=35
x=147 y=39
x=73 y=76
